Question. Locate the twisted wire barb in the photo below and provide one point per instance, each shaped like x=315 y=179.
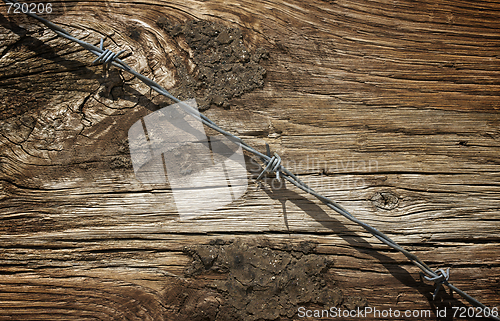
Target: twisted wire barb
x=106 y=57
x=439 y=280
x=273 y=164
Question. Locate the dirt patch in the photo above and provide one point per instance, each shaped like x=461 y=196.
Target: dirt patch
x=236 y=280
x=225 y=68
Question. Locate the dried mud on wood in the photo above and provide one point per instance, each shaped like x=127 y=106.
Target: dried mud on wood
x=225 y=68
x=255 y=281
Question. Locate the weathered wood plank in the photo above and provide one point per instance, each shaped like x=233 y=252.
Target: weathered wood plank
x=389 y=107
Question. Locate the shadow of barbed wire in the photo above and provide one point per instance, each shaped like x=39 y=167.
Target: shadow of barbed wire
x=444 y=299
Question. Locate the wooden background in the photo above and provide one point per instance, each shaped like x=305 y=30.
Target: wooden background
x=391 y=108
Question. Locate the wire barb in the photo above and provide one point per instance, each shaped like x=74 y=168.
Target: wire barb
x=106 y=57
x=441 y=278
x=273 y=165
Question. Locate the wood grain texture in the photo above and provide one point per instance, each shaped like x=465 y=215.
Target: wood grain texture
x=391 y=108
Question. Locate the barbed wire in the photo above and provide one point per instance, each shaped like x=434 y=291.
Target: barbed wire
x=272 y=163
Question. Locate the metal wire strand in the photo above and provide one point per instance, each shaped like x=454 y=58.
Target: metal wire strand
x=273 y=164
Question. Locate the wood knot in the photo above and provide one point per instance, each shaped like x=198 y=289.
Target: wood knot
x=385 y=200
